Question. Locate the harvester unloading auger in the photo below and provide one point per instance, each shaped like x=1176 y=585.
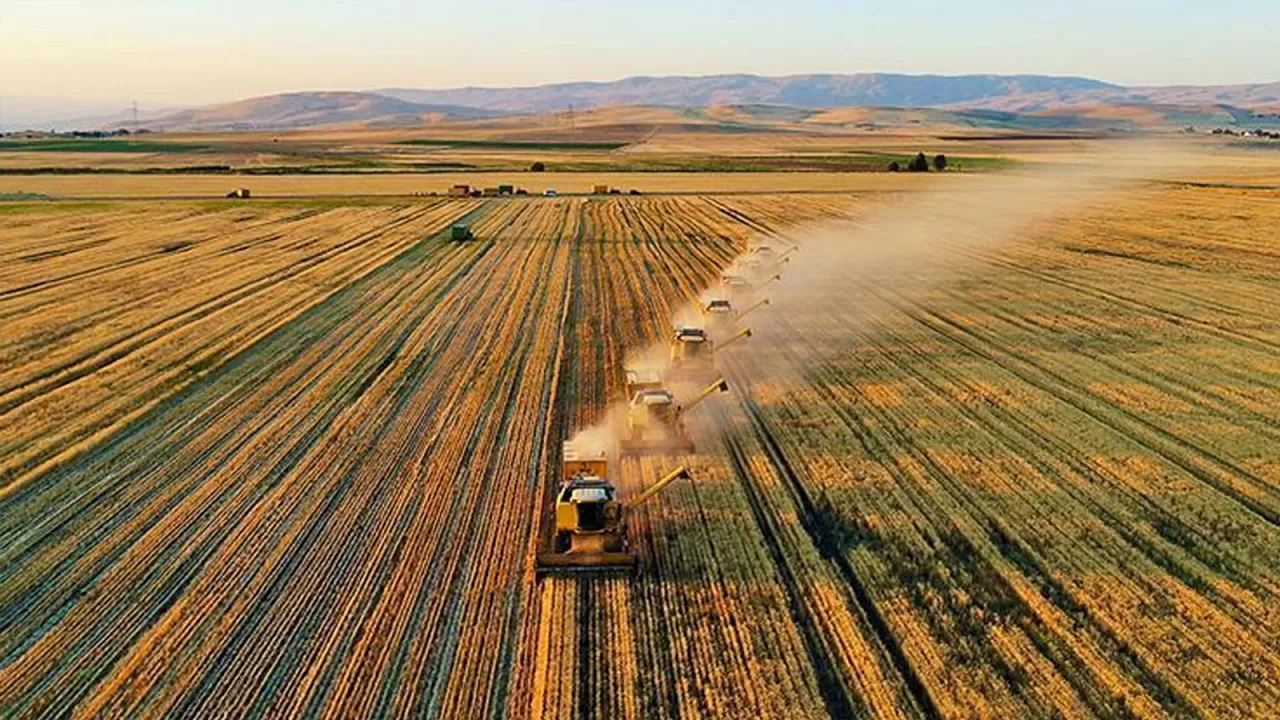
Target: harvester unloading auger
x=752 y=308
x=590 y=520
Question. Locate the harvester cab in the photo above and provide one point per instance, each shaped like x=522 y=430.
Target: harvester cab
x=718 y=307
x=590 y=532
x=655 y=422
x=719 y=314
x=638 y=380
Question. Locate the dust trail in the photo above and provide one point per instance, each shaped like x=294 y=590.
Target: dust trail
x=843 y=274
x=905 y=245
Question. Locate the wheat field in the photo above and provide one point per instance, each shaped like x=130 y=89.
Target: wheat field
x=294 y=459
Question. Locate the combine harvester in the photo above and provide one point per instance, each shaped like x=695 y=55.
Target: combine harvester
x=734 y=286
x=721 y=317
x=770 y=258
x=742 y=288
x=691 y=353
x=591 y=521
x=655 y=421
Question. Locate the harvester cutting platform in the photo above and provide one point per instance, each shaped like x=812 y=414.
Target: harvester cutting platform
x=590 y=520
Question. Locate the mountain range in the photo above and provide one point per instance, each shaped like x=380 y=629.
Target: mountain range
x=1020 y=95
x=805 y=91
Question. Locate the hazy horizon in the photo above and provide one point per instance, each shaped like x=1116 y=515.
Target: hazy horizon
x=202 y=52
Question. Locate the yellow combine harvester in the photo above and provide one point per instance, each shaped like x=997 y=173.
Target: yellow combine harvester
x=655 y=422
x=590 y=520
x=768 y=257
x=692 y=350
x=721 y=316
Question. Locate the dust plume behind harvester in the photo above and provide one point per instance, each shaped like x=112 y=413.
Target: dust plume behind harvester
x=590 y=530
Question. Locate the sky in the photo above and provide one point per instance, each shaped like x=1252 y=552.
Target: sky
x=190 y=52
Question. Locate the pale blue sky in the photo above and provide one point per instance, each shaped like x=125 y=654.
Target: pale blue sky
x=196 y=51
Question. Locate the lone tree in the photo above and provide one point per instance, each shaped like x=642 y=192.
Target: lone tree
x=894 y=166
x=538 y=167
x=919 y=164
x=939 y=162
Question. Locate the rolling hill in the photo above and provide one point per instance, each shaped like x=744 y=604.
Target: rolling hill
x=1261 y=98
x=308 y=109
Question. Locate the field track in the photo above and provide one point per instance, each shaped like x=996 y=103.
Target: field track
x=291 y=461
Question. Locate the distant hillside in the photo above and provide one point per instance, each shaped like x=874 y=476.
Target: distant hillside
x=308 y=109
x=1261 y=97
x=804 y=91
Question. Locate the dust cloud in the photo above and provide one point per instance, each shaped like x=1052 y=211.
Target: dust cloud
x=846 y=274
x=898 y=248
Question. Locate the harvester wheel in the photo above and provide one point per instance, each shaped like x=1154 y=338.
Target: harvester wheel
x=563 y=541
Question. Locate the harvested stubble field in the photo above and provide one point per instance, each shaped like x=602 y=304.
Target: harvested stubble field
x=274 y=461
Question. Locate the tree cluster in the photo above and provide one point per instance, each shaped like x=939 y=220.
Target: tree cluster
x=920 y=163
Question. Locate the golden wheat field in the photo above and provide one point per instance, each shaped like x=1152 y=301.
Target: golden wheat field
x=293 y=459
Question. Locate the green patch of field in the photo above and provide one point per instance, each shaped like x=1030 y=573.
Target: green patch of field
x=954 y=162
x=846 y=162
